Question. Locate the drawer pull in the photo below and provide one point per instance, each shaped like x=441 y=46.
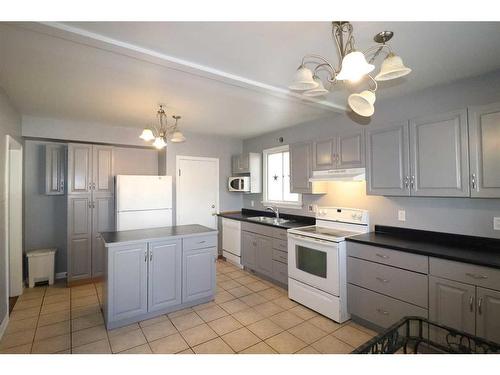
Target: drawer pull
x=471 y=303
x=382 y=256
x=383 y=312
x=254 y=243
x=476 y=276
x=382 y=280
x=202 y=242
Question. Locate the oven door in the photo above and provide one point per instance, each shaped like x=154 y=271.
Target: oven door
x=314 y=262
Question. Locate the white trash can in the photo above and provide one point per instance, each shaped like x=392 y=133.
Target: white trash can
x=41 y=266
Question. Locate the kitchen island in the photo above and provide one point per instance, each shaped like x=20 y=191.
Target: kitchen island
x=149 y=272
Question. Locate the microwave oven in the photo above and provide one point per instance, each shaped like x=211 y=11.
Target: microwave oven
x=238 y=184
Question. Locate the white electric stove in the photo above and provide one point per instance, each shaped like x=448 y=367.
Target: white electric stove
x=317 y=260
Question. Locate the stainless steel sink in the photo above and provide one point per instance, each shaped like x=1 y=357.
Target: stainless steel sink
x=268 y=220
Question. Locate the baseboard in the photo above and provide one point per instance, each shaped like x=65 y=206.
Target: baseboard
x=3 y=325
x=61 y=275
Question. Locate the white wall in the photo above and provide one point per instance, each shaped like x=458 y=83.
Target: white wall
x=10 y=124
x=455 y=215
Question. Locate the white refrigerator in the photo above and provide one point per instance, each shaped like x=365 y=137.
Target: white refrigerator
x=143 y=202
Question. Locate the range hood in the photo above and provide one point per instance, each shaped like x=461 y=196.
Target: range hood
x=349 y=174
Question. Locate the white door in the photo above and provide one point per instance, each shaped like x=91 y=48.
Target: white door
x=14 y=212
x=197 y=191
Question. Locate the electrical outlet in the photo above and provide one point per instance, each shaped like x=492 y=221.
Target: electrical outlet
x=496 y=223
x=401 y=215
x=252 y=203
x=311 y=208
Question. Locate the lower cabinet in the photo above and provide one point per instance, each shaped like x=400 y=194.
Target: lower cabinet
x=165 y=272
x=128 y=282
x=488 y=314
x=265 y=252
x=452 y=304
x=198 y=270
x=155 y=277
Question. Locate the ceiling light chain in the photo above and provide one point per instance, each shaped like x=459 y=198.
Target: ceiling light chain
x=163 y=132
x=352 y=67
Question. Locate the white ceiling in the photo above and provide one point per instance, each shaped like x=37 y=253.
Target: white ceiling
x=223 y=78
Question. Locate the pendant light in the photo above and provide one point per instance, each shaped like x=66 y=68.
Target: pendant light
x=392 y=67
x=319 y=90
x=354 y=67
x=362 y=103
x=303 y=80
x=163 y=132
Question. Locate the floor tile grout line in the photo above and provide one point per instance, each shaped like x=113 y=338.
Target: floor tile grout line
x=37 y=320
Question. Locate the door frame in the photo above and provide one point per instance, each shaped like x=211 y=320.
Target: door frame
x=12 y=145
x=178 y=159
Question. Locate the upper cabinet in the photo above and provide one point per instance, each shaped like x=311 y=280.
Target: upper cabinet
x=387 y=161
x=54 y=169
x=351 y=149
x=430 y=155
x=102 y=170
x=484 y=143
x=79 y=168
x=439 y=155
x=301 y=170
x=346 y=150
x=325 y=154
x=241 y=163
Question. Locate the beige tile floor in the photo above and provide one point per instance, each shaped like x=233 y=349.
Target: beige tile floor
x=249 y=315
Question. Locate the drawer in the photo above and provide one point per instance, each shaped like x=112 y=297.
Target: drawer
x=199 y=242
x=405 y=285
x=401 y=259
x=279 y=234
x=466 y=273
x=280 y=245
x=264 y=230
x=378 y=309
x=280 y=256
x=280 y=272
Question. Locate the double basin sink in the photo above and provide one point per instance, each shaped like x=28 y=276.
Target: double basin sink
x=269 y=220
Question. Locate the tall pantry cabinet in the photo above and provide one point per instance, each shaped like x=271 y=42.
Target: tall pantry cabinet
x=90 y=207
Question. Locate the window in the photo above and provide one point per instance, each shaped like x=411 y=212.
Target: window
x=277 y=178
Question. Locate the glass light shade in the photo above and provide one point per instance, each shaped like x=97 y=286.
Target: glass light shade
x=147 y=135
x=159 y=143
x=362 y=103
x=318 y=91
x=178 y=137
x=303 y=80
x=392 y=67
x=354 y=66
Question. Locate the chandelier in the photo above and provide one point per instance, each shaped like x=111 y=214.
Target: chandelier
x=352 y=66
x=163 y=132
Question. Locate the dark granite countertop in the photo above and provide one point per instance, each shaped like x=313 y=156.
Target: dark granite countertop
x=146 y=235
x=295 y=220
x=469 y=249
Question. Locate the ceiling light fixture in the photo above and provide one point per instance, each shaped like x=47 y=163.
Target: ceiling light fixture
x=163 y=132
x=352 y=66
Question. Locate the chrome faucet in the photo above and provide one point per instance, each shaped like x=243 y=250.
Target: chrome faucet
x=275 y=210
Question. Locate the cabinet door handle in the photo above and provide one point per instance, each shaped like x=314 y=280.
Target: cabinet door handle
x=145 y=255
x=471 y=303
x=473 y=180
x=254 y=243
x=382 y=256
x=480 y=305
x=406 y=182
x=382 y=280
x=412 y=182
x=476 y=276
x=383 y=312
x=61 y=186
x=150 y=255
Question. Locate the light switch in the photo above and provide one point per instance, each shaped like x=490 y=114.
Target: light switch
x=401 y=215
x=496 y=223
